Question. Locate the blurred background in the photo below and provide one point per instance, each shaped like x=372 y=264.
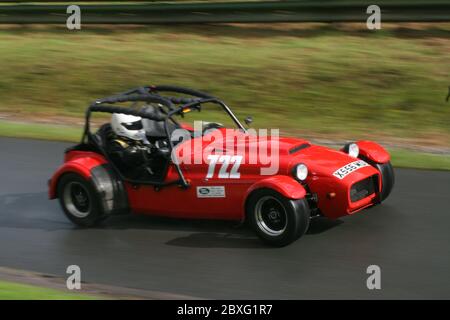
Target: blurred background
x=326 y=81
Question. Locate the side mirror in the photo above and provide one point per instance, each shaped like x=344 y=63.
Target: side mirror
x=248 y=120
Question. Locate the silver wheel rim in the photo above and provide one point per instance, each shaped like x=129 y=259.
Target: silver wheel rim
x=271 y=216
x=77 y=201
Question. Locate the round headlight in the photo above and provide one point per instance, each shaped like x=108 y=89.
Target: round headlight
x=301 y=171
x=353 y=150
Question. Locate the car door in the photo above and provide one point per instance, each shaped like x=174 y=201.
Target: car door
x=215 y=189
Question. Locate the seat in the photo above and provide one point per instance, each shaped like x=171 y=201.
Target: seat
x=102 y=134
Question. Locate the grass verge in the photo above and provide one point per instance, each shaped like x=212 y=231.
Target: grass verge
x=15 y=291
x=40 y=131
x=327 y=79
x=400 y=158
x=419 y=160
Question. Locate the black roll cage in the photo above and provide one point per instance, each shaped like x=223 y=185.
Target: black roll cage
x=151 y=94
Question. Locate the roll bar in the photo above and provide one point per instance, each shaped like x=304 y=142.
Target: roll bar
x=151 y=94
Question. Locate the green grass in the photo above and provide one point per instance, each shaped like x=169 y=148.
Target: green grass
x=319 y=80
x=400 y=158
x=40 y=131
x=15 y=291
x=419 y=160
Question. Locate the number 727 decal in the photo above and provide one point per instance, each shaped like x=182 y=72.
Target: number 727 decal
x=226 y=161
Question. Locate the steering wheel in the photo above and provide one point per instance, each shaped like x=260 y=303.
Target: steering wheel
x=161 y=148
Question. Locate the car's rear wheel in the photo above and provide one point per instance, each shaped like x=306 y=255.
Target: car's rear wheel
x=278 y=221
x=79 y=200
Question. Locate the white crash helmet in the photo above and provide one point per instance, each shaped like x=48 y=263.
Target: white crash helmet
x=128 y=126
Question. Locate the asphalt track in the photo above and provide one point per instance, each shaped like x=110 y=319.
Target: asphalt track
x=408 y=237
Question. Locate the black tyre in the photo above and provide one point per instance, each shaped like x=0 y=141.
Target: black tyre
x=79 y=200
x=387 y=179
x=278 y=221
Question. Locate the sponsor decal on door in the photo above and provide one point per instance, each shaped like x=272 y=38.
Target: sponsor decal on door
x=211 y=192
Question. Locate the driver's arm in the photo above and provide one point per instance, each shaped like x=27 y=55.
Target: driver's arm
x=129 y=156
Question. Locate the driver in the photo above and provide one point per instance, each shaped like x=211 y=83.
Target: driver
x=128 y=146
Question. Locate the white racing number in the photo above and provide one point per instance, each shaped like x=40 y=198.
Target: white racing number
x=224 y=172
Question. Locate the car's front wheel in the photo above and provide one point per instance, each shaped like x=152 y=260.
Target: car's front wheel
x=79 y=200
x=278 y=221
x=387 y=178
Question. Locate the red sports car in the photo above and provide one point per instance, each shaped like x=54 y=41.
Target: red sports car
x=215 y=170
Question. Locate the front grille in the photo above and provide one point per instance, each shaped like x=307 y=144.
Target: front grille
x=363 y=188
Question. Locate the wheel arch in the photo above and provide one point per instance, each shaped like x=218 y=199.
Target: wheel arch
x=284 y=185
x=373 y=152
x=108 y=186
x=67 y=168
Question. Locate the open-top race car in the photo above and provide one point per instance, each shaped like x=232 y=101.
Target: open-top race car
x=213 y=170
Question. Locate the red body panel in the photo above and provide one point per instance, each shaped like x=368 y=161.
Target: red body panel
x=80 y=162
x=174 y=201
x=322 y=163
x=178 y=202
x=373 y=151
x=285 y=185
